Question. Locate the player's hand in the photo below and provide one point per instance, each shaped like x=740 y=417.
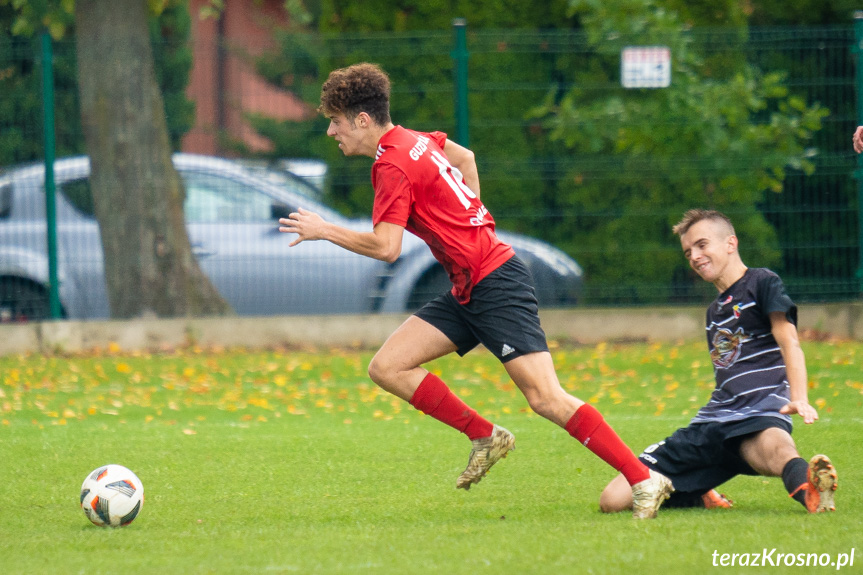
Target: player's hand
x=307 y=225
x=857 y=139
x=801 y=408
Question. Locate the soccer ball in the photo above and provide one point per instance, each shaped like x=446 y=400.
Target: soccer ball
x=112 y=496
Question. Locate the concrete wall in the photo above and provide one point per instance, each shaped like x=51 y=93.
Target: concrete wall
x=369 y=331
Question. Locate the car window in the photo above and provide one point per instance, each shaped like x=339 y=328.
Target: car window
x=211 y=199
x=5 y=199
x=77 y=193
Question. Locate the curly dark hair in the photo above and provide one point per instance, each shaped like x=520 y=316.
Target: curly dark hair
x=359 y=88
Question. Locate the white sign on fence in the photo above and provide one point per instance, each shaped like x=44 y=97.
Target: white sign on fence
x=645 y=67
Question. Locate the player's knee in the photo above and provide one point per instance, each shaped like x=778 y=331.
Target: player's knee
x=769 y=451
x=608 y=503
x=616 y=497
x=541 y=404
x=546 y=402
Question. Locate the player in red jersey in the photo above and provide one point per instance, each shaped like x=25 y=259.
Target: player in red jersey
x=429 y=185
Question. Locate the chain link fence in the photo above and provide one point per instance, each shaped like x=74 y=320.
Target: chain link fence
x=513 y=79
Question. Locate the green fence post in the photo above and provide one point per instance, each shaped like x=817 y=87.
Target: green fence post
x=459 y=56
x=50 y=146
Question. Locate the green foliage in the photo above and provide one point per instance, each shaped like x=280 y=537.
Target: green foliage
x=813 y=12
x=413 y=43
x=172 y=57
x=21 y=108
x=723 y=134
x=21 y=137
x=381 y=15
x=28 y=17
x=566 y=154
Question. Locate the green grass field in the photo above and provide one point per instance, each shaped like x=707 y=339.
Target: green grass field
x=293 y=461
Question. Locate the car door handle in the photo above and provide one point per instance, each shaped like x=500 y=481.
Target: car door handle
x=200 y=251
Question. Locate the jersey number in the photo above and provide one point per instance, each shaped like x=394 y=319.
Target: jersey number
x=454 y=178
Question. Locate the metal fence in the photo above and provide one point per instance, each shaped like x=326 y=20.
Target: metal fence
x=815 y=218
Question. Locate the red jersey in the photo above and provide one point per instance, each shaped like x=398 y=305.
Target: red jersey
x=418 y=189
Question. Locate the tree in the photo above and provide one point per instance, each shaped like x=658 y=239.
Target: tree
x=21 y=85
x=137 y=193
x=134 y=181
x=20 y=77
x=811 y=12
x=599 y=171
x=722 y=135
x=343 y=32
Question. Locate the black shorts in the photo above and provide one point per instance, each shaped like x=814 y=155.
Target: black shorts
x=702 y=456
x=502 y=314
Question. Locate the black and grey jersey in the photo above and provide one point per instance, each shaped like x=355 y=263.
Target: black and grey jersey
x=750 y=372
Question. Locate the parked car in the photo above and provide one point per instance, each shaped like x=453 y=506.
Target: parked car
x=231 y=217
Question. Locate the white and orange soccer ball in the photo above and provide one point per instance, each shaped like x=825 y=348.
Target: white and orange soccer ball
x=112 y=496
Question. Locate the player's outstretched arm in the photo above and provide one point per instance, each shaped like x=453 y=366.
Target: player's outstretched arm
x=383 y=243
x=785 y=334
x=465 y=162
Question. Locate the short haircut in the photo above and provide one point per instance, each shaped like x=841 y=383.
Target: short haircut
x=359 y=88
x=692 y=217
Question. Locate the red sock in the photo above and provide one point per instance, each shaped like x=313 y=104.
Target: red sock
x=434 y=398
x=588 y=426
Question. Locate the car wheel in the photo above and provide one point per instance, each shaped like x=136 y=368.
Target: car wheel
x=23 y=300
x=431 y=284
